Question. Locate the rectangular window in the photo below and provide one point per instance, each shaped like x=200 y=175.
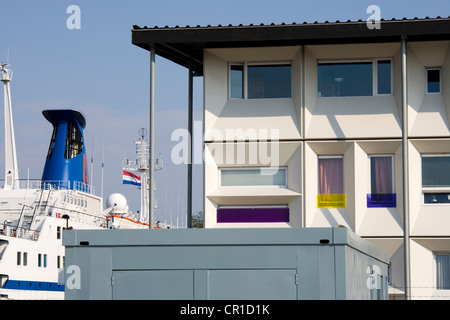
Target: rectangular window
x=436 y=179
x=25 y=258
x=351 y=79
x=442 y=271
x=45 y=261
x=237 y=81
x=253 y=177
x=433 y=80
x=58 y=262
x=261 y=214
x=260 y=81
x=58 y=232
x=39 y=260
x=19 y=256
x=331 y=182
x=381 y=182
x=384 y=85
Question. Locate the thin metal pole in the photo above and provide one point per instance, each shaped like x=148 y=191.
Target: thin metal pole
x=407 y=277
x=190 y=120
x=152 y=138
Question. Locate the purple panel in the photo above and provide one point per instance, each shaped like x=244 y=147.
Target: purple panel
x=382 y=200
x=240 y=215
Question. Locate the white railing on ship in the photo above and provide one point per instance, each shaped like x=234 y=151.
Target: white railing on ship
x=51 y=185
x=19 y=232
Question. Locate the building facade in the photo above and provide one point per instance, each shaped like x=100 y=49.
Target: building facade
x=331 y=124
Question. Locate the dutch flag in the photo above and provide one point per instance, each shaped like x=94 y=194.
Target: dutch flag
x=130 y=178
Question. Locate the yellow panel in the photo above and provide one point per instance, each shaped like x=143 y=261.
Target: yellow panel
x=330 y=201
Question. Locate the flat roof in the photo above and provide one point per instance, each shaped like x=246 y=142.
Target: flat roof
x=185 y=45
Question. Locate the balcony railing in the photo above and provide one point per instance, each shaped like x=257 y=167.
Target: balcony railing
x=51 y=185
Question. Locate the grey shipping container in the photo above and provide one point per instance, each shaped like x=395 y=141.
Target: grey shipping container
x=223 y=264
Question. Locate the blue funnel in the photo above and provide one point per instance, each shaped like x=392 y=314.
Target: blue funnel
x=66 y=163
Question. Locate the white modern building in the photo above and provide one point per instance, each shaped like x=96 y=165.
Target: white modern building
x=328 y=124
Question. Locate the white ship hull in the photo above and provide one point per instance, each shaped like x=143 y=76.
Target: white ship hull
x=31 y=225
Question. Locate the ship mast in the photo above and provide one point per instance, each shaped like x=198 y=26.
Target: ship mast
x=11 y=168
x=142 y=166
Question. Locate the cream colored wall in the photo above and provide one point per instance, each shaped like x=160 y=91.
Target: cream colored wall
x=423 y=267
x=425 y=109
x=354 y=127
x=215 y=195
x=426 y=219
x=351 y=117
x=225 y=117
x=221 y=113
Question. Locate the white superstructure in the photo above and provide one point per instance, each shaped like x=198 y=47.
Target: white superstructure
x=34 y=213
x=32 y=218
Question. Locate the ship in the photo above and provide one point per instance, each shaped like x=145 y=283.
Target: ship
x=34 y=213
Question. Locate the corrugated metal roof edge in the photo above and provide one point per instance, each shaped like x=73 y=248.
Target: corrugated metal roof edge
x=136 y=27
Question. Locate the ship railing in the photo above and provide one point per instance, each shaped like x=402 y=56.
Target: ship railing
x=50 y=185
x=20 y=232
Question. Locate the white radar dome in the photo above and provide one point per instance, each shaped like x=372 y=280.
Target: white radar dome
x=118 y=202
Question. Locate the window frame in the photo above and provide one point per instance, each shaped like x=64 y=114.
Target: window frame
x=435 y=273
x=369 y=157
x=253 y=186
x=245 y=66
x=374 y=62
x=343 y=180
x=432 y=189
x=426 y=80
x=392 y=156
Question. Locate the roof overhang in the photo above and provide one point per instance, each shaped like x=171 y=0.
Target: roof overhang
x=185 y=45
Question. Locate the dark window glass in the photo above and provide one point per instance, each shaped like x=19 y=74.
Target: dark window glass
x=269 y=81
x=384 y=76
x=434 y=197
x=433 y=80
x=74 y=141
x=237 y=81
x=435 y=171
x=52 y=143
x=345 y=79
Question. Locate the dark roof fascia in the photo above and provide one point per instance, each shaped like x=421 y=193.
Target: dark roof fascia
x=184 y=45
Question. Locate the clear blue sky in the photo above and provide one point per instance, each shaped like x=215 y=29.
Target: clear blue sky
x=98 y=71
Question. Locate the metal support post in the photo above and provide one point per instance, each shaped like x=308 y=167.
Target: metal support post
x=152 y=138
x=407 y=278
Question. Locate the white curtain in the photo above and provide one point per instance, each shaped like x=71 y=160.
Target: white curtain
x=443 y=271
